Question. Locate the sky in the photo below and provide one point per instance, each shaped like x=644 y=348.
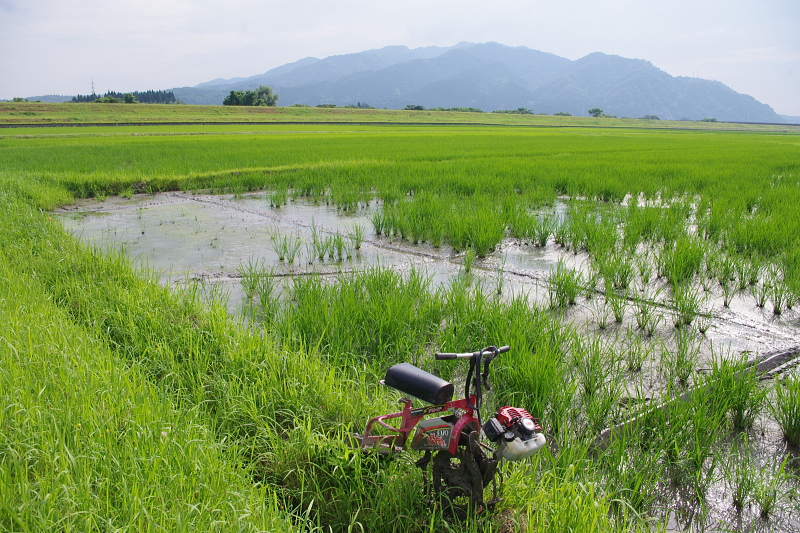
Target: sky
x=60 y=46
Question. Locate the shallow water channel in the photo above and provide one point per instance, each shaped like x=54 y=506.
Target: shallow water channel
x=187 y=237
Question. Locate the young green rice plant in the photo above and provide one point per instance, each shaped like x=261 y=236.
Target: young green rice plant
x=768 y=490
x=267 y=290
x=682 y=261
x=378 y=219
x=601 y=312
x=704 y=322
x=617 y=301
x=760 y=293
x=542 y=230
x=468 y=260
x=740 y=472
x=277 y=198
x=286 y=246
x=687 y=304
x=644 y=267
x=701 y=457
x=680 y=363
x=499 y=277
x=733 y=388
x=648 y=316
x=729 y=290
x=595 y=363
x=636 y=352
x=564 y=286
x=356 y=236
x=785 y=407
x=249 y=276
x=779 y=293
x=561 y=233
x=726 y=269
x=340 y=248
x=616 y=268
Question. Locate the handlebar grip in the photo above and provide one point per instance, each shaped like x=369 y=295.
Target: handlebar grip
x=503 y=349
x=442 y=356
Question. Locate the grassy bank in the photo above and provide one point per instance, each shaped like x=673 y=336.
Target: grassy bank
x=20 y=113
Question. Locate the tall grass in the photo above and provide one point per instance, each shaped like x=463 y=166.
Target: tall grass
x=87 y=441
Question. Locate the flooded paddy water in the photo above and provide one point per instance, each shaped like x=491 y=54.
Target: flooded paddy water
x=184 y=237
x=213 y=239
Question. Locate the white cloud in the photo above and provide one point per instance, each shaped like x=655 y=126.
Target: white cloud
x=57 y=46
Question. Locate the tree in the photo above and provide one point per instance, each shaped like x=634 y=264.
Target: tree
x=412 y=107
x=562 y=114
x=595 y=112
x=263 y=96
x=128 y=98
x=650 y=117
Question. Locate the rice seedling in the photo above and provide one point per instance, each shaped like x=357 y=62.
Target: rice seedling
x=680 y=363
x=779 y=294
x=729 y=290
x=468 y=260
x=644 y=267
x=356 y=236
x=616 y=268
x=768 y=490
x=680 y=262
x=542 y=231
x=561 y=233
x=378 y=220
x=760 y=293
x=740 y=473
x=600 y=312
x=249 y=274
x=618 y=302
x=688 y=303
x=734 y=389
x=564 y=286
x=785 y=408
x=636 y=352
x=647 y=315
x=286 y=246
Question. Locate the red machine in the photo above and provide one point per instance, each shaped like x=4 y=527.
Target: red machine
x=461 y=468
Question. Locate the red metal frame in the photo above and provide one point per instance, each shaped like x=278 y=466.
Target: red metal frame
x=410 y=417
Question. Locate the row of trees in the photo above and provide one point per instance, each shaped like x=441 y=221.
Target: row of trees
x=145 y=97
x=260 y=97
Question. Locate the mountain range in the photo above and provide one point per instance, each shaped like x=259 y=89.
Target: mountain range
x=492 y=76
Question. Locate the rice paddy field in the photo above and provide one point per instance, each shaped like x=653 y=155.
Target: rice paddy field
x=195 y=318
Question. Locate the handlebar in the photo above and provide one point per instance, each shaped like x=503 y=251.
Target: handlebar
x=441 y=356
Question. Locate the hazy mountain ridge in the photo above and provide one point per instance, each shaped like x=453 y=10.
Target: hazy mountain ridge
x=494 y=76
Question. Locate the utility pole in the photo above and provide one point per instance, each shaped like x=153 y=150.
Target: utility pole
x=92 y=85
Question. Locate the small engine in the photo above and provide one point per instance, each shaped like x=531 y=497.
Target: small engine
x=516 y=432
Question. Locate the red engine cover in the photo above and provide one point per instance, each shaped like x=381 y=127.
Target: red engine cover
x=508 y=415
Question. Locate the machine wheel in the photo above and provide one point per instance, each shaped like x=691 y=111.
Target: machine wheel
x=459 y=480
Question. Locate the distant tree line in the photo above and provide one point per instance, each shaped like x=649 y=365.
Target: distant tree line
x=458 y=109
x=518 y=111
x=145 y=97
x=263 y=96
